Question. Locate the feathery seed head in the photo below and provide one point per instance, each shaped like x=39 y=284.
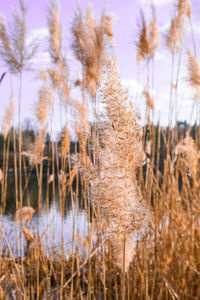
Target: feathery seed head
x=8 y=117
x=114 y=186
x=35 y=153
x=89 y=46
x=107 y=26
x=184 y=8
x=45 y=102
x=188 y=151
x=13 y=49
x=143 y=45
x=149 y=100
x=59 y=75
x=43 y=75
x=194 y=74
x=65 y=142
x=24 y=214
x=28 y=235
x=55 y=31
x=149 y=39
x=5 y=39
x=117 y=250
x=154 y=36
x=175 y=35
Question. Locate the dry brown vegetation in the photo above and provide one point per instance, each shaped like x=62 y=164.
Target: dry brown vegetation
x=140 y=187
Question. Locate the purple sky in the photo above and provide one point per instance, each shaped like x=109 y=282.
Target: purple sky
x=125 y=27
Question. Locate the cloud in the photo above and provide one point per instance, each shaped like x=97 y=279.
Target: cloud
x=164 y=28
x=158 y=2
x=41 y=60
x=195 y=26
x=37 y=35
x=161 y=91
x=114 y=17
x=133 y=86
x=160 y=55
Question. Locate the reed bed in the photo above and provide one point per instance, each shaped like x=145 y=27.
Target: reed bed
x=139 y=188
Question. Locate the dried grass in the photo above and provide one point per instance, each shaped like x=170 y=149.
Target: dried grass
x=35 y=153
x=8 y=117
x=127 y=252
x=184 y=8
x=89 y=43
x=175 y=35
x=194 y=74
x=149 y=100
x=60 y=73
x=1 y=175
x=65 y=142
x=113 y=183
x=13 y=49
x=44 y=104
x=187 y=150
x=149 y=39
x=24 y=214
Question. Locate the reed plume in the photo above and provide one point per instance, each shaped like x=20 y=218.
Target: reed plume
x=188 y=152
x=51 y=179
x=143 y=45
x=43 y=75
x=154 y=35
x=55 y=32
x=59 y=74
x=175 y=36
x=107 y=26
x=149 y=39
x=24 y=214
x=149 y=100
x=113 y=180
x=8 y=117
x=28 y=235
x=89 y=43
x=184 y=8
x=80 y=117
x=46 y=91
x=35 y=152
x=82 y=160
x=65 y=142
x=45 y=101
x=5 y=50
x=13 y=49
x=194 y=74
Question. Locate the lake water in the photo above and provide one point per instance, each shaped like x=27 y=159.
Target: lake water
x=49 y=223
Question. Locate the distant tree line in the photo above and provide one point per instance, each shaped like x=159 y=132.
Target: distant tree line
x=160 y=134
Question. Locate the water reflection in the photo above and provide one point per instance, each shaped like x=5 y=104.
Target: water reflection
x=49 y=227
x=49 y=224
x=30 y=195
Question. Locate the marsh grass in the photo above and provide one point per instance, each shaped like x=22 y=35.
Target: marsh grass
x=139 y=187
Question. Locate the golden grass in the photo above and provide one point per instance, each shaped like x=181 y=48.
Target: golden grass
x=149 y=39
x=139 y=187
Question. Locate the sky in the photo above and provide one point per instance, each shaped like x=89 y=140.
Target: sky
x=126 y=24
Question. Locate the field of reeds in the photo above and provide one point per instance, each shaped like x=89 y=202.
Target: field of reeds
x=138 y=186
